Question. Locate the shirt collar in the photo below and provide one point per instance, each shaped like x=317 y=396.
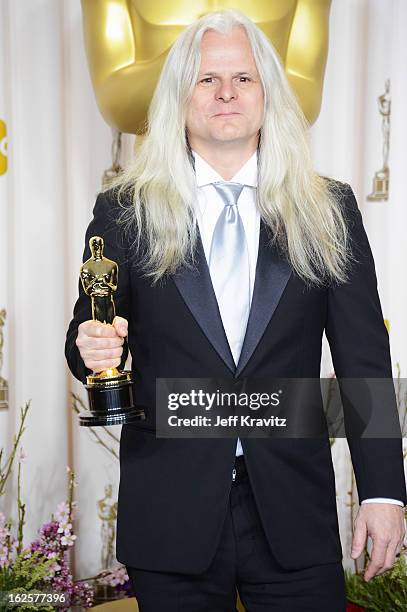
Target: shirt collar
x=205 y=174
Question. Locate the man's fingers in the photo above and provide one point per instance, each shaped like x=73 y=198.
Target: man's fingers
x=377 y=560
x=390 y=558
x=99 y=345
x=102 y=354
x=392 y=554
x=359 y=538
x=103 y=343
x=96 y=329
x=121 y=326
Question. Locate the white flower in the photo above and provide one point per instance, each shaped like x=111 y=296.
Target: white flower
x=68 y=540
x=65 y=527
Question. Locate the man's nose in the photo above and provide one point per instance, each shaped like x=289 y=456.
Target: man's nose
x=226 y=91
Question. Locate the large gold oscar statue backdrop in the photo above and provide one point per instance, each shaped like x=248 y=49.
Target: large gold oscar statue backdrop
x=127 y=42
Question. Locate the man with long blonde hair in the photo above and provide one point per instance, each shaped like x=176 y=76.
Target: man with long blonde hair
x=234 y=257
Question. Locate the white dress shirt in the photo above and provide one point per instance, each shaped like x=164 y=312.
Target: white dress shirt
x=210 y=205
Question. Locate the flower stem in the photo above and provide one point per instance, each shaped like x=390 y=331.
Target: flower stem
x=6 y=470
x=21 y=512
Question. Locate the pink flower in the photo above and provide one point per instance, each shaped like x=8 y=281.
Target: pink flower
x=115 y=576
x=7 y=551
x=62 y=512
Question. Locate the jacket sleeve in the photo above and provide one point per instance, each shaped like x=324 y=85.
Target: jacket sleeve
x=360 y=351
x=104 y=224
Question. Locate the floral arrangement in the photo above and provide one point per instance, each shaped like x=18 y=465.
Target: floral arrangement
x=385 y=593
x=42 y=566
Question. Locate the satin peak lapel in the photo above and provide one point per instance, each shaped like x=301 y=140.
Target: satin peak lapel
x=196 y=289
x=272 y=275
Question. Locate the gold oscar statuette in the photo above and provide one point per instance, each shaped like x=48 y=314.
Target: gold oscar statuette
x=110 y=392
x=381 y=178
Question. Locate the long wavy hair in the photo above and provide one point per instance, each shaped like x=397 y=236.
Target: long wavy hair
x=157 y=189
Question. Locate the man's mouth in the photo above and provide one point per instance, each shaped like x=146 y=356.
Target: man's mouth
x=226 y=114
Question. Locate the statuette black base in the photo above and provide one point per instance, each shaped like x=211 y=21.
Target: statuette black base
x=111 y=402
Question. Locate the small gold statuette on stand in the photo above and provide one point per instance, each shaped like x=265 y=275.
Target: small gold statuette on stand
x=3 y=381
x=381 y=178
x=110 y=392
x=107 y=512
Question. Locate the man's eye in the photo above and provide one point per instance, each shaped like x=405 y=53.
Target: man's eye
x=210 y=79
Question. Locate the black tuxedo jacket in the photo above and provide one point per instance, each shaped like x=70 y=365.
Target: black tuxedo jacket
x=173 y=493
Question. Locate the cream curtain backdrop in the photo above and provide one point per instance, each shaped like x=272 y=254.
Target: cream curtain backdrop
x=59 y=147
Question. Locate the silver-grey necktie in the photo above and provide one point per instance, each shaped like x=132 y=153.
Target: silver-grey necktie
x=229 y=267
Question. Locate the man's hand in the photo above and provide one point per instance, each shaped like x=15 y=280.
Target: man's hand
x=101 y=345
x=384 y=523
